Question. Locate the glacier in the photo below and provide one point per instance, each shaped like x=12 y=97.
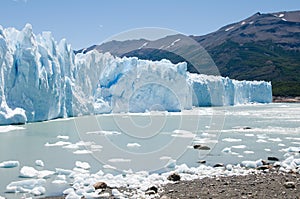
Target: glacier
x=41 y=79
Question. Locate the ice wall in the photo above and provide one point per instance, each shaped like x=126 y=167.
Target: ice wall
x=221 y=91
x=41 y=79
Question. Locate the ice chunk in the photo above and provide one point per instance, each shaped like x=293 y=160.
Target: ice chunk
x=183 y=134
x=104 y=132
x=73 y=195
x=133 y=145
x=5 y=129
x=82 y=165
x=116 y=193
x=25 y=185
x=239 y=146
x=171 y=163
x=60 y=171
x=39 y=163
x=45 y=174
x=9 y=164
x=63 y=137
x=226 y=150
x=59 y=143
x=119 y=160
x=231 y=140
x=37 y=191
x=28 y=172
x=252 y=164
x=81 y=152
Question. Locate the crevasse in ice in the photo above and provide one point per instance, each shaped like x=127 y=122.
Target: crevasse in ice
x=41 y=79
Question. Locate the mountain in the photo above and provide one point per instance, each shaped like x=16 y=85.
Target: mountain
x=261 y=47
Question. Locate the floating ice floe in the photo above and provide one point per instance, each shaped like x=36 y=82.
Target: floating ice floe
x=63 y=137
x=81 y=152
x=252 y=164
x=82 y=165
x=45 y=174
x=9 y=164
x=28 y=172
x=39 y=163
x=183 y=134
x=105 y=133
x=291 y=149
x=8 y=128
x=119 y=160
x=25 y=186
x=275 y=139
x=133 y=145
x=261 y=141
x=107 y=166
x=61 y=171
x=249 y=152
x=59 y=143
x=239 y=146
x=226 y=150
x=232 y=140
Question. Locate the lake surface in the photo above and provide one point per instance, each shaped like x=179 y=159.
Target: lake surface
x=151 y=141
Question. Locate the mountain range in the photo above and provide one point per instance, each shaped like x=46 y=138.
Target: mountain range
x=261 y=47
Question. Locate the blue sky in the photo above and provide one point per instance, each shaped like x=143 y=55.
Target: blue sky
x=87 y=22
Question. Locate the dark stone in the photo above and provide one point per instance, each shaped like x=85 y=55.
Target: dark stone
x=264 y=162
x=201 y=161
x=264 y=167
x=273 y=159
x=218 y=165
x=174 y=177
x=152 y=190
x=247 y=127
x=201 y=147
x=289 y=185
x=100 y=185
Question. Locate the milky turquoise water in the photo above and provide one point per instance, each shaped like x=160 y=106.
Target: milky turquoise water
x=149 y=141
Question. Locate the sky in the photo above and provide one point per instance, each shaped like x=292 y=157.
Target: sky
x=87 y=22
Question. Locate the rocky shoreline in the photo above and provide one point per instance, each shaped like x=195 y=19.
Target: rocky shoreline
x=265 y=184
x=281 y=99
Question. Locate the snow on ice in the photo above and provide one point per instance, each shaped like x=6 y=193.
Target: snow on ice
x=41 y=79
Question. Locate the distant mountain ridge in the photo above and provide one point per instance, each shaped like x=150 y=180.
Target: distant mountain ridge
x=261 y=47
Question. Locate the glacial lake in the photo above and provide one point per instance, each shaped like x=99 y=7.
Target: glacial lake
x=116 y=143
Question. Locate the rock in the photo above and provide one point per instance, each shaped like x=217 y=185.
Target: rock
x=218 y=165
x=265 y=162
x=247 y=128
x=174 y=177
x=273 y=158
x=289 y=185
x=201 y=161
x=100 y=185
x=151 y=190
x=263 y=167
x=201 y=147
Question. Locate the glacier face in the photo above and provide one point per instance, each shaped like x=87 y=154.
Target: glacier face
x=41 y=79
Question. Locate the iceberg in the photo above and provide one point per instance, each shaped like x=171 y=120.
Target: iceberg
x=26 y=186
x=41 y=79
x=9 y=164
